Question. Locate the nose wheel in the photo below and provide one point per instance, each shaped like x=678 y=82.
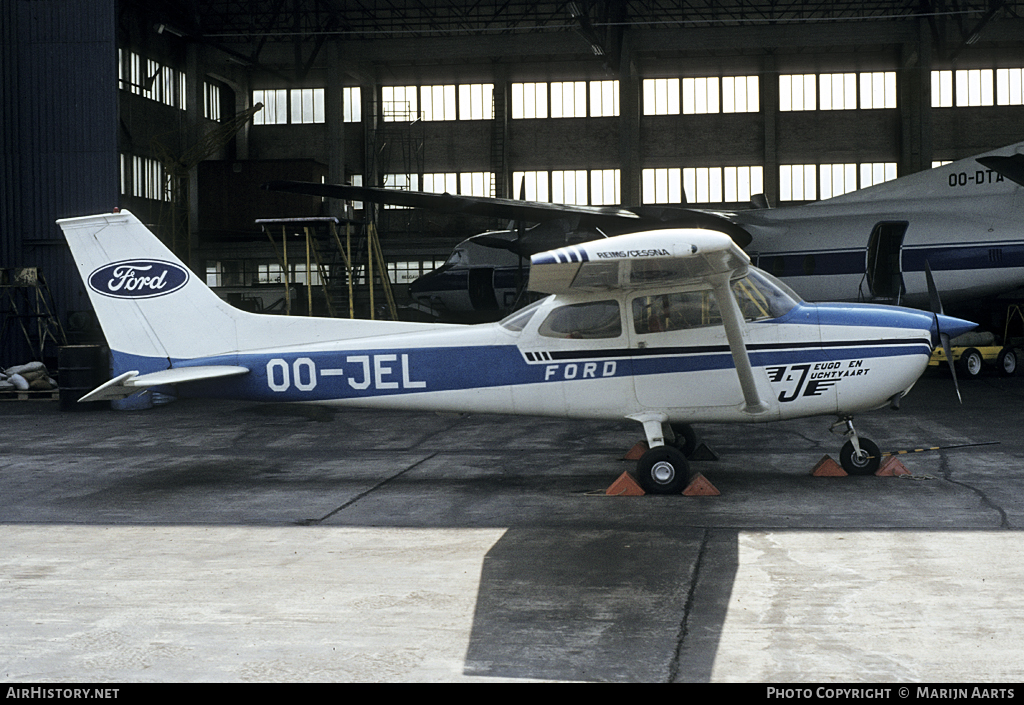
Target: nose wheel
x=858 y=456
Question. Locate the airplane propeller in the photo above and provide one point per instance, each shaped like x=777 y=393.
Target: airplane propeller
x=936 y=302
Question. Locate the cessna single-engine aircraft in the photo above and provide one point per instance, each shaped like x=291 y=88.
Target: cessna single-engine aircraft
x=965 y=218
x=667 y=328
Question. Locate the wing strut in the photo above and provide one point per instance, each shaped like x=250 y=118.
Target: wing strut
x=732 y=319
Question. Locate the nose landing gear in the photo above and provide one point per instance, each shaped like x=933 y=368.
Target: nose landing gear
x=858 y=456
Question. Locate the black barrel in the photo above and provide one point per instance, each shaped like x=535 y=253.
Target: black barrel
x=82 y=369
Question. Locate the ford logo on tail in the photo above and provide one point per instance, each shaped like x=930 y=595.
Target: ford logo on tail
x=138 y=279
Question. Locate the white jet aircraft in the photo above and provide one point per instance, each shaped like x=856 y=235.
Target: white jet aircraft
x=667 y=328
x=964 y=218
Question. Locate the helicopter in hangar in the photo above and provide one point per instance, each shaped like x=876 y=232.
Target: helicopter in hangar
x=867 y=245
x=663 y=327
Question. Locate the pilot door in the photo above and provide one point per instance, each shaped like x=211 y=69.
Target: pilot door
x=884 y=271
x=681 y=354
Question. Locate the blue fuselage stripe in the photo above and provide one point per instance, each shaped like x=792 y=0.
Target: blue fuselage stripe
x=353 y=374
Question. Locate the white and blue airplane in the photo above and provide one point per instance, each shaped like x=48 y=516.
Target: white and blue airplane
x=667 y=328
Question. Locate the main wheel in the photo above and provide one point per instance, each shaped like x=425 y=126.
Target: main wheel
x=1007 y=362
x=970 y=363
x=686 y=438
x=663 y=470
x=866 y=464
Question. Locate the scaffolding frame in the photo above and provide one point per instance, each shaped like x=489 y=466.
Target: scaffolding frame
x=28 y=305
x=309 y=227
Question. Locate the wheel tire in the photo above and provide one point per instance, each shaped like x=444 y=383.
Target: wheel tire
x=868 y=465
x=663 y=470
x=970 y=363
x=686 y=438
x=1007 y=362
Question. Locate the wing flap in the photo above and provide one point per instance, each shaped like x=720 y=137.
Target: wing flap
x=132 y=382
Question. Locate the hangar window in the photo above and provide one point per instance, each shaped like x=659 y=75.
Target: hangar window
x=408 y=272
x=703 y=184
x=604 y=187
x=353 y=108
x=730 y=184
x=307 y=106
x=876 y=173
x=476 y=101
x=742 y=182
x=700 y=95
x=798 y=92
x=967 y=88
x=796 y=182
x=438 y=102
x=150 y=79
x=1009 y=86
x=569 y=187
x=529 y=100
x=401 y=182
x=532 y=184
x=399 y=103
x=144 y=178
x=588 y=321
x=211 y=101
x=604 y=98
x=298 y=106
x=838 y=91
x=837 y=179
x=568 y=99
x=662 y=185
x=275 y=107
x=661 y=96
x=695 y=96
x=741 y=94
x=878 y=90
x=440 y=183
x=476 y=183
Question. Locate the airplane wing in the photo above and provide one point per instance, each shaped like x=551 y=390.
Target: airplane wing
x=611 y=219
x=638 y=260
x=129 y=383
x=658 y=258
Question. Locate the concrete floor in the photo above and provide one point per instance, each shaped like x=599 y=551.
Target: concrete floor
x=222 y=541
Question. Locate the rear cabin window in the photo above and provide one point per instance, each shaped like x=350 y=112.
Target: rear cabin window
x=596 y=319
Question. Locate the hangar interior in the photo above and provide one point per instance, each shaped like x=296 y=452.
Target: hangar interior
x=152 y=106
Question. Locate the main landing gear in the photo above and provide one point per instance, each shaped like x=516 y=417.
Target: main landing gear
x=664 y=469
x=858 y=456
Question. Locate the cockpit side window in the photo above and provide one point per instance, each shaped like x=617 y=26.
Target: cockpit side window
x=592 y=320
x=759 y=299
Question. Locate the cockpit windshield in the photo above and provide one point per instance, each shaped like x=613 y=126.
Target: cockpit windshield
x=517 y=320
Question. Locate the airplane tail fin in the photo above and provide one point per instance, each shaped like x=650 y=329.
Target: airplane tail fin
x=148 y=302
x=154 y=311
x=993 y=174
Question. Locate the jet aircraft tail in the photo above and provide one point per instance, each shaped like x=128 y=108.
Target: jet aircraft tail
x=155 y=312
x=997 y=173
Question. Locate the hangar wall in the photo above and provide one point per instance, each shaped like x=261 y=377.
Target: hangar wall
x=59 y=121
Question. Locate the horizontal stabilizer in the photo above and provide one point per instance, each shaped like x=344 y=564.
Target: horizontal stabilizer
x=132 y=382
